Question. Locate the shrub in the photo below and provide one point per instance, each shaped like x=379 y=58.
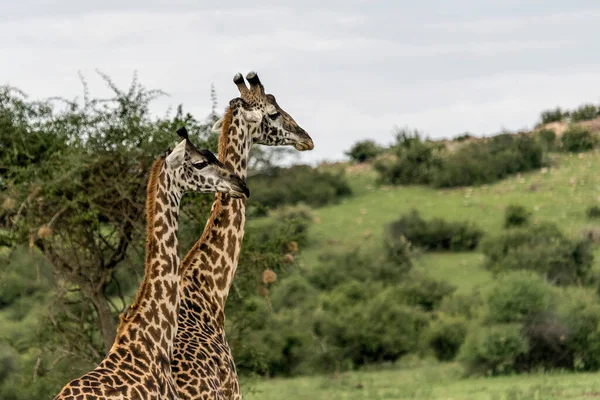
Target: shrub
x=555 y=115
x=577 y=139
x=543 y=249
x=335 y=269
x=517 y=296
x=489 y=160
x=593 y=211
x=446 y=335
x=293 y=291
x=399 y=251
x=420 y=290
x=477 y=162
x=464 y=305
x=547 y=137
x=515 y=215
x=362 y=151
x=494 y=350
x=584 y=112
x=463 y=137
x=365 y=324
x=298 y=184
x=579 y=310
x=415 y=162
x=436 y=234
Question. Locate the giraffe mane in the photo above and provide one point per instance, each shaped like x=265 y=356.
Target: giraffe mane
x=227 y=119
x=218 y=204
x=150 y=242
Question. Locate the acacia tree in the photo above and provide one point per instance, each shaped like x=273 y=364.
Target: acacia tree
x=73 y=187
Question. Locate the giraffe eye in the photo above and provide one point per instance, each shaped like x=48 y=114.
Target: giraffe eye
x=274 y=116
x=200 y=165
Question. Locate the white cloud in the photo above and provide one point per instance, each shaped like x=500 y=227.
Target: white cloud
x=351 y=71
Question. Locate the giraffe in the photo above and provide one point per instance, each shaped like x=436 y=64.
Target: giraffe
x=202 y=364
x=138 y=365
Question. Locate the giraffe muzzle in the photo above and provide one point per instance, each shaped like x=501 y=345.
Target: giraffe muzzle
x=305 y=145
x=241 y=189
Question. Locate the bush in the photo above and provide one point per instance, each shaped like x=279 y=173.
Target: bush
x=365 y=324
x=415 y=161
x=420 y=290
x=489 y=160
x=543 y=249
x=362 y=151
x=464 y=305
x=577 y=139
x=555 y=115
x=494 y=350
x=515 y=215
x=446 y=335
x=518 y=296
x=463 y=137
x=584 y=112
x=292 y=292
x=593 y=211
x=294 y=185
x=334 y=269
x=436 y=234
x=547 y=138
x=477 y=162
x=579 y=311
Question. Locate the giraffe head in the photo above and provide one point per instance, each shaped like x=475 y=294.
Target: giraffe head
x=273 y=126
x=196 y=170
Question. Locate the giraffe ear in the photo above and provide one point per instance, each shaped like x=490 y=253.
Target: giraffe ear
x=175 y=159
x=218 y=126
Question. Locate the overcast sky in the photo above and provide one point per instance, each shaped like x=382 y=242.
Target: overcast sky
x=345 y=70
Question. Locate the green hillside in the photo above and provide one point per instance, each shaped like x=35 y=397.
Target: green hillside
x=560 y=193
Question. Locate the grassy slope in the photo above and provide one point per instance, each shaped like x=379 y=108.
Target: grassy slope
x=559 y=194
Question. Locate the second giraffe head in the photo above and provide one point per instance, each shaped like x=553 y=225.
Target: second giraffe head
x=272 y=126
x=200 y=171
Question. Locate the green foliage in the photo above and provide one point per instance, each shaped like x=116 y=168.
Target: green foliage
x=555 y=115
x=436 y=234
x=364 y=324
x=547 y=138
x=464 y=305
x=8 y=362
x=593 y=211
x=298 y=184
x=515 y=215
x=25 y=277
x=416 y=160
x=417 y=289
x=364 y=150
x=579 y=311
x=489 y=160
x=463 y=138
x=517 y=296
x=446 y=335
x=584 y=112
x=335 y=269
x=494 y=350
x=543 y=249
x=578 y=139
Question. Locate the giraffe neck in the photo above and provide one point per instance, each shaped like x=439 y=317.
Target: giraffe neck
x=152 y=318
x=211 y=264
